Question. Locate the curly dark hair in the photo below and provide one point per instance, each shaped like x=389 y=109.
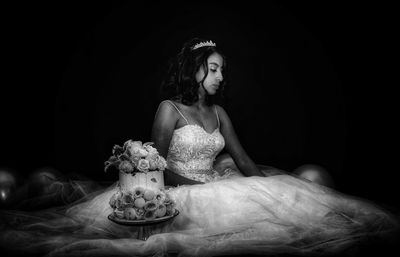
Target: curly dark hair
x=180 y=83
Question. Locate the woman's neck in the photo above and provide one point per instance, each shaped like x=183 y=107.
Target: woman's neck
x=201 y=102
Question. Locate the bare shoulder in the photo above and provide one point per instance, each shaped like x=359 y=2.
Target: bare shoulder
x=166 y=118
x=221 y=112
x=166 y=108
x=223 y=117
x=166 y=115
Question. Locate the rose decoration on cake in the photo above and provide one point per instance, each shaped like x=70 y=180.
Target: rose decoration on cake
x=134 y=156
x=142 y=205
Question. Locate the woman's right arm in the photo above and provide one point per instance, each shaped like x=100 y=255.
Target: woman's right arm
x=163 y=128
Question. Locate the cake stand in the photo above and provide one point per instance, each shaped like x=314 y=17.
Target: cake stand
x=144 y=226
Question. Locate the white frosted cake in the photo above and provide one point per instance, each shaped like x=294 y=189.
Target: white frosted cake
x=151 y=180
x=140 y=193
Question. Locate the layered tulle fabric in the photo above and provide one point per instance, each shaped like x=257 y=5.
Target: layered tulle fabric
x=276 y=214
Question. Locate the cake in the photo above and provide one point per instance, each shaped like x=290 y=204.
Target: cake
x=140 y=193
x=150 y=180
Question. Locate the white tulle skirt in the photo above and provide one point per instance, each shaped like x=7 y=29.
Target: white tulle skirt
x=243 y=215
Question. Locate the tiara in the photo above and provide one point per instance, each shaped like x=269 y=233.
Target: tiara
x=201 y=44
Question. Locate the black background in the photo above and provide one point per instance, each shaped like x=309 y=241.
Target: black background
x=309 y=83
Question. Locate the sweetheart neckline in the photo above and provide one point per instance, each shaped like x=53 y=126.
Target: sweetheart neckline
x=196 y=125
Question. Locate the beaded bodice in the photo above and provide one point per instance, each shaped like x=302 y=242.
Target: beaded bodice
x=192 y=152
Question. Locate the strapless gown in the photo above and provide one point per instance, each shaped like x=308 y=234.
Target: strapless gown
x=228 y=215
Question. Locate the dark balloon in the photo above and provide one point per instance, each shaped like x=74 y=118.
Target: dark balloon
x=8 y=184
x=315 y=173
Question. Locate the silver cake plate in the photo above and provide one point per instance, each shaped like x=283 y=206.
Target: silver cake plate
x=120 y=221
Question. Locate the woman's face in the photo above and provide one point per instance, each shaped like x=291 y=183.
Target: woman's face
x=214 y=76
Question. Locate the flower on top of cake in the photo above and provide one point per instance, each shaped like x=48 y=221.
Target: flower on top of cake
x=134 y=156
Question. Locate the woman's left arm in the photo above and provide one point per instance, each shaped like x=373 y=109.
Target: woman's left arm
x=234 y=148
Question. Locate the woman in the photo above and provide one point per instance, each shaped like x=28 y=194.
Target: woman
x=194 y=82
x=227 y=207
x=190 y=130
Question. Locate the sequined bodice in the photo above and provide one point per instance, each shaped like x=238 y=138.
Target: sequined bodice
x=192 y=151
